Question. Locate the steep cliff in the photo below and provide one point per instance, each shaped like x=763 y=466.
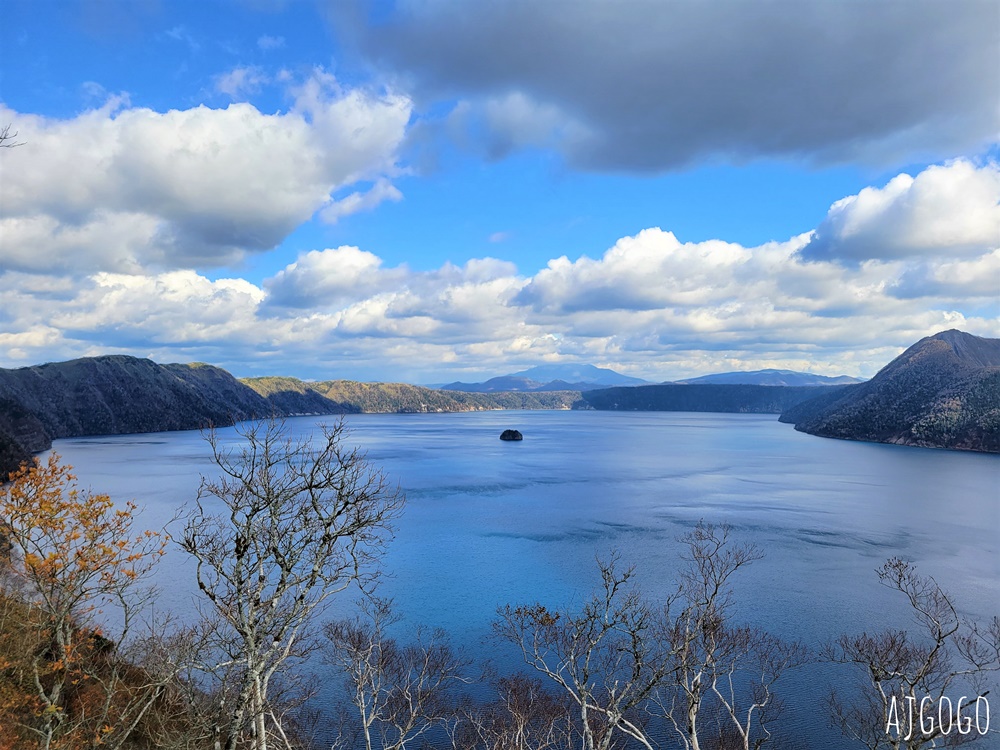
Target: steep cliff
x=113 y=395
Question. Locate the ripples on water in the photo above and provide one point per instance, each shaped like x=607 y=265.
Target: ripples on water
x=490 y=522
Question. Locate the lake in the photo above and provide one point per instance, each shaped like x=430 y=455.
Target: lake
x=489 y=522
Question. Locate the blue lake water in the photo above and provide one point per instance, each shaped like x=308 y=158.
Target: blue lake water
x=489 y=523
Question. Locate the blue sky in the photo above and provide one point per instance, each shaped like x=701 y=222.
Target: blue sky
x=437 y=190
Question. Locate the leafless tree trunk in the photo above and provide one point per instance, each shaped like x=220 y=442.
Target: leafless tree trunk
x=732 y=668
x=399 y=691
x=606 y=658
x=287 y=524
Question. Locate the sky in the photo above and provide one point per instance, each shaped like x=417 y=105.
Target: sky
x=436 y=190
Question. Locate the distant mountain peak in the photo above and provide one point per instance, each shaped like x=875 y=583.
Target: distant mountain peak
x=554 y=377
x=576 y=373
x=943 y=392
x=974 y=350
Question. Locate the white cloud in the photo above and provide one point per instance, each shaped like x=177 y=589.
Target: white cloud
x=651 y=305
x=382 y=190
x=242 y=81
x=191 y=188
x=329 y=279
x=977 y=279
x=952 y=210
x=649 y=271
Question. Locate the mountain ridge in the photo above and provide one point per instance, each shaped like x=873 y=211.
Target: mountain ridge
x=942 y=392
x=703 y=397
x=571 y=373
x=770 y=377
x=543 y=378
x=119 y=394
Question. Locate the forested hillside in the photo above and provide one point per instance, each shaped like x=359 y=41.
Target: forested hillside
x=114 y=395
x=119 y=395
x=292 y=396
x=751 y=399
x=942 y=392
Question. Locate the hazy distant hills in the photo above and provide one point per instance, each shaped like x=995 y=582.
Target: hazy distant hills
x=589 y=377
x=942 y=392
x=510 y=384
x=770 y=377
x=578 y=374
x=561 y=377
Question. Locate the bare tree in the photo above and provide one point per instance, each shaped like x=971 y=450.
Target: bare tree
x=734 y=668
x=607 y=657
x=524 y=717
x=286 y=525
x=622 y=661
x=911 y=683
x=399 y=691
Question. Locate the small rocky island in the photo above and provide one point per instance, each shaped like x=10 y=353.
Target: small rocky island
x=511 y=435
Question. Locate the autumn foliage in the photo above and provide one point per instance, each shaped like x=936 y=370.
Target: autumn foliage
x=69 y=555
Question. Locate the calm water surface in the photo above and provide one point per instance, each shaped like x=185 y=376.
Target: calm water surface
x=489 y=522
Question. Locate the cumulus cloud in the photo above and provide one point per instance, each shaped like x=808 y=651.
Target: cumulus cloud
x=953 y=209
x=974 y=280
x=685 y=276
x=654 y=86
x=329 y=278
x=651 y=305
x=191 y=188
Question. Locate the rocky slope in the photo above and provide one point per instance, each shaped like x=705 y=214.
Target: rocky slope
x=942 y=392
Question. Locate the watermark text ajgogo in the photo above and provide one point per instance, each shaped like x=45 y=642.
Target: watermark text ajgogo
x=933 y=717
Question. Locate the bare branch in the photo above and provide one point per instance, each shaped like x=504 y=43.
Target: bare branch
x=8 y=138
x=897 y=669
x=287 y=524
